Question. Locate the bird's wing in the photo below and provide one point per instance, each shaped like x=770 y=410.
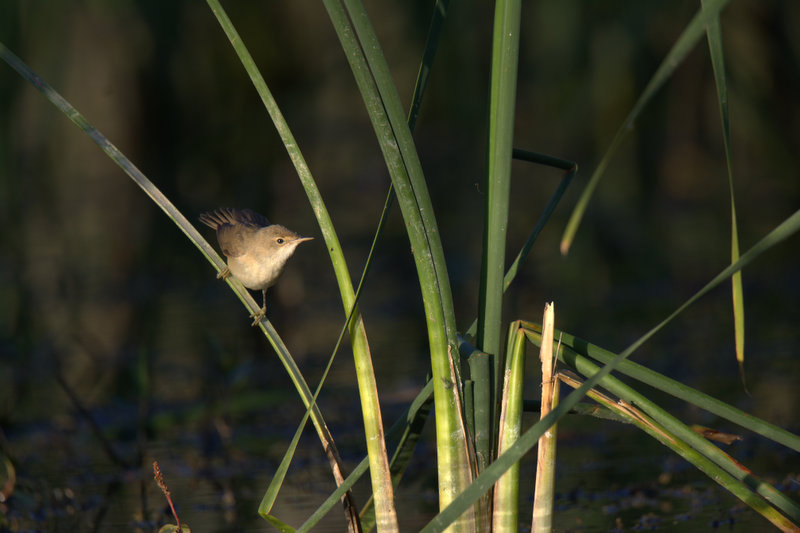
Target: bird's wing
x=235 y=227
x=226 y=215
x=234 y=238
x=250 y=217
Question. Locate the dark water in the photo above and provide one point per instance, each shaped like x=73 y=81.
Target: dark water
x=609 y=477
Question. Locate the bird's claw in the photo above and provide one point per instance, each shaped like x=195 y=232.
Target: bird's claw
x=224 y=273
x=258 y=316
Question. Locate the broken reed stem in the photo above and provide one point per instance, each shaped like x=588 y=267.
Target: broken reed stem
x=546 y=453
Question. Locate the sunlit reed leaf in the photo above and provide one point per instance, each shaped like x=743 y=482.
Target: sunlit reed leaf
x=505 y=506
x=714 y=33
x=383 y=105
x=373 y=426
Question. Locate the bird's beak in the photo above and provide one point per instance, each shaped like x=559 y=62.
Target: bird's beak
x=304 y=239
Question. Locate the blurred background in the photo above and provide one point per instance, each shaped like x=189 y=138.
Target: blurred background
x=108 y=315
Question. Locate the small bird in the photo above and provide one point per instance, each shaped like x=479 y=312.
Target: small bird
x=257 y=251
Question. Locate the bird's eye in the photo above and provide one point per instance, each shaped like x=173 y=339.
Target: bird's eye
x=279 y=240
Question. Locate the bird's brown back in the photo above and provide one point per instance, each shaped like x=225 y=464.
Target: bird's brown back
x=235 y=228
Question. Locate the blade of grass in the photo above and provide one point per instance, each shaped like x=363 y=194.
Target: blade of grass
x=418 y=415
x=383 y=105
x=408 y=442
x=373 y=425
x=683 y=45
x=583 y=408
x=418 y=407
x=273 y=489
x=411 y=436
x=271 y=494
x=478 y=407
x=502 y=100
x=714 y=33
x=484 y=414
x=505 y=508
x=431 y=46
x=570 y=169
x=481 y=371
x=413 y=431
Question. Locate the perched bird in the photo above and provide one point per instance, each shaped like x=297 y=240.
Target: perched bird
x=256 y=250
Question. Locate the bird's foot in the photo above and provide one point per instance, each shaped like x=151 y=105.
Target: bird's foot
x=258 y=316
x=224 y=273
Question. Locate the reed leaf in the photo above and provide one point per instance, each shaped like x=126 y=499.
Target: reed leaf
x=394 y=138
x=740 y=481
x=670 y=438
x=505 y=509
x=418 y=408
x=502 y=101
x=370 y=405
x=714 y=33
x=570 y=168
x=683 y=45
